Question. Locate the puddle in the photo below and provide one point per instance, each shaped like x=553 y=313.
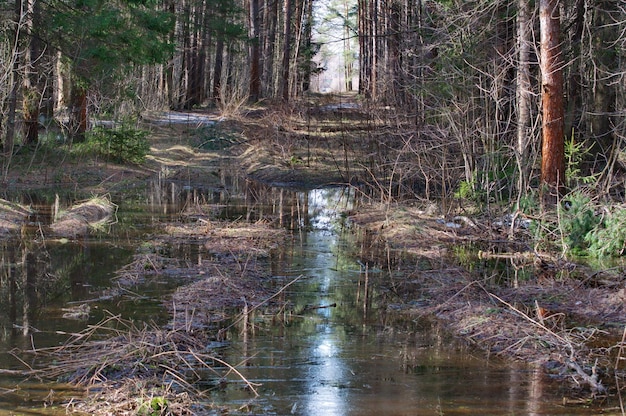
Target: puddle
x=341 y=351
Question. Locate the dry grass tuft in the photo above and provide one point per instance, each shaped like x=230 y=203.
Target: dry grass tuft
x=128 y=369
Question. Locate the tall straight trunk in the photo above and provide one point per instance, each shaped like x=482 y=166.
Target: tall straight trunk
x=307 y=42
x=78 y=113
x=288 y=13
x=417 y=66
x=170 y=68
x=523 y=92
x=270 y=17
x=373 y=28
x=196 y=59
x=187 y=63
x=604 y=80
x=395 y=57
x=347 y=49
x=255 y=51
x=32 y=95
x=552 y=149
x=367 y=48
x=574 y=88
x=9 y=139
x=362 y=49
x=217 y=69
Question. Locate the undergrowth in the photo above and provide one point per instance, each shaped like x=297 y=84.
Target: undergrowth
x=583 y=227
x=123 y=144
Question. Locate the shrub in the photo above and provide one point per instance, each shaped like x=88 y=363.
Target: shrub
x=121 y=144
x=578 y=219
x=609 y=238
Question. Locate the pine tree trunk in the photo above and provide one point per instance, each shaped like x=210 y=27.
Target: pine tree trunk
x=217 y=69
x=604 y=79
x=552 y=149
x=78 y=114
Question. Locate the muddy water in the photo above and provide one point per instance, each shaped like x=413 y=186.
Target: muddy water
x=339 y=349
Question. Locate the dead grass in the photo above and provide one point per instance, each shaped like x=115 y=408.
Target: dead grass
x=127 y=367
x=129 y=370
x=565 y=318
x=82 y=217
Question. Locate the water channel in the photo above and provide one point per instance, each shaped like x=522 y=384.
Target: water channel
x=345 y=351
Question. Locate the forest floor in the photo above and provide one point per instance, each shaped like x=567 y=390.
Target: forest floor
x=552 y=312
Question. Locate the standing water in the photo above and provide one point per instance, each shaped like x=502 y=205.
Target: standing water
x=339 y=349
x=345 y=352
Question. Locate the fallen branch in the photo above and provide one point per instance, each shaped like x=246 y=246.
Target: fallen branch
x=592 y=379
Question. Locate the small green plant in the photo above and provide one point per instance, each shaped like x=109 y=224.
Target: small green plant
x=465 y=190
x=578 y=219
x=575 y=154
x=214 y=137
x=469 y=190
x=529 y=203
x=121 y=144
x=153 y=407
x=609 y=238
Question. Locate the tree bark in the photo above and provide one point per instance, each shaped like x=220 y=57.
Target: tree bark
x=255 y=52
x=604 y=80
x=523 y=93
x=394 y=55
x=78 y=114
x=270 y=19
x=365 y=48
x=31 y=100
x=9 y=140
x=217 y=69
x=552 y=149
x=286 y=49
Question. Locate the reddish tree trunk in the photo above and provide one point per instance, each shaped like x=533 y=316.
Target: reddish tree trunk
x=78 y=114
x=552 y=149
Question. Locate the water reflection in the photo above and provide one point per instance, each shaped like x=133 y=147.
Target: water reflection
x=353 y=358
x=325 y=378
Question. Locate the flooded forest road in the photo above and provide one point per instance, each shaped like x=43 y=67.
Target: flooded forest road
x=336 y=346
x=214 y=290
